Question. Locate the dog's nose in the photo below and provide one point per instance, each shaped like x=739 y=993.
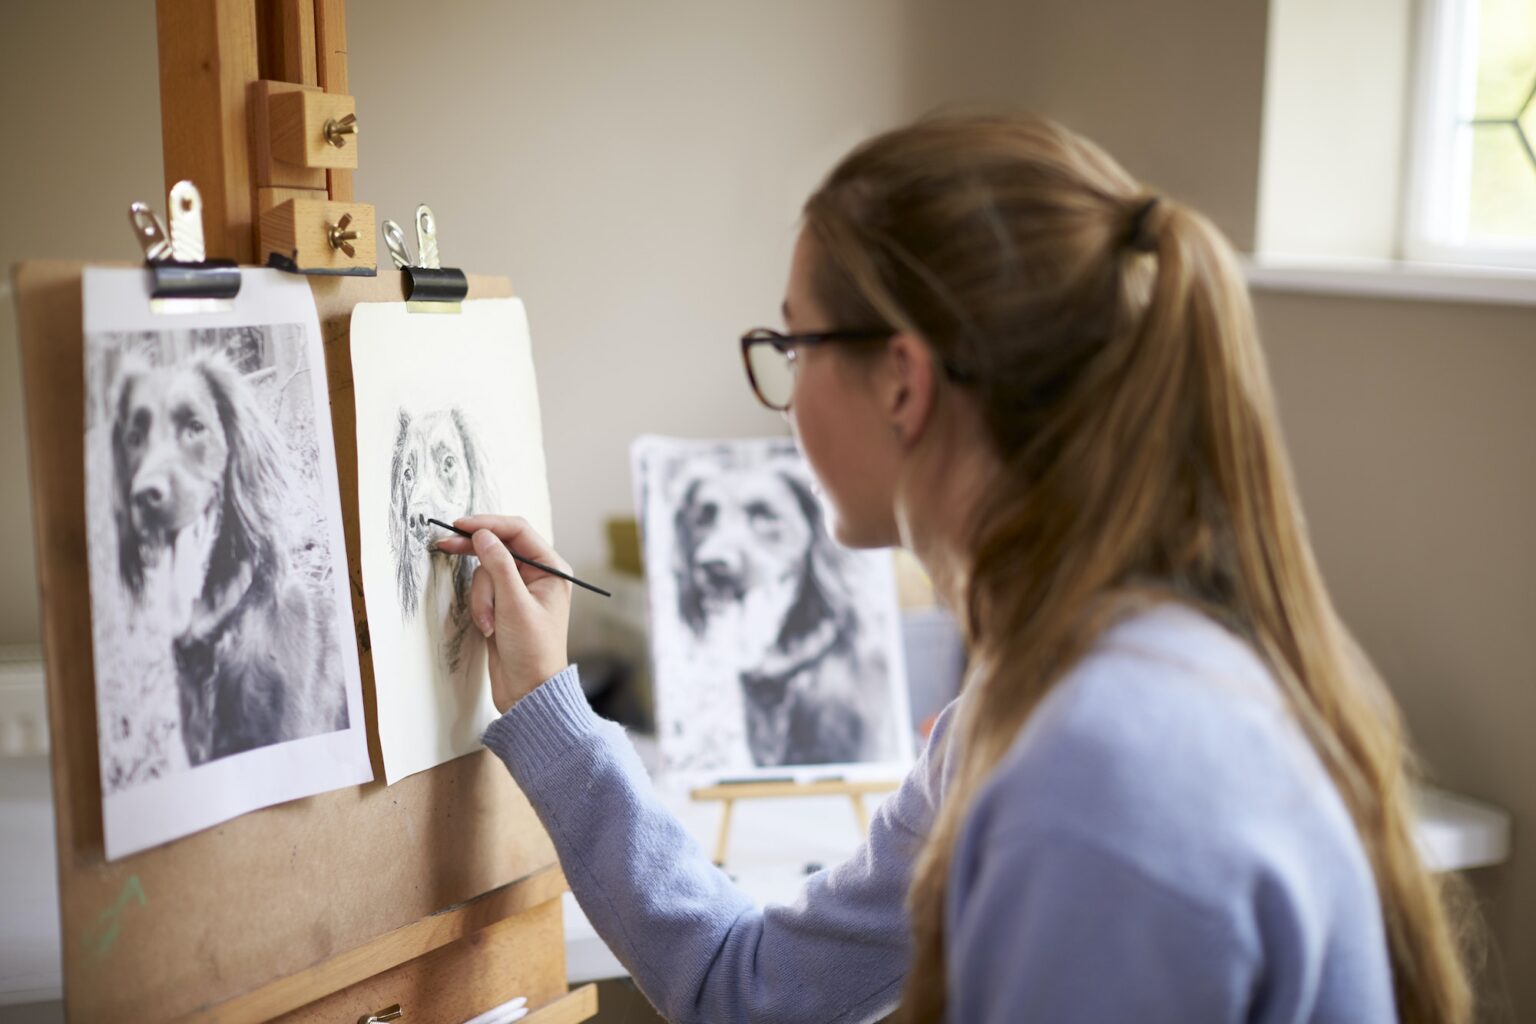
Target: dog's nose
x=149 y=497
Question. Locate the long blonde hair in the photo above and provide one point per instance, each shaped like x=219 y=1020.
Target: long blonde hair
x=1106 y=337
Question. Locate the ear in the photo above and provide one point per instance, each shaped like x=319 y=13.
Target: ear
x=480 y=499
x=828 y=559
x=908 y=384
x=130 y=556
x=256 y=482
x=481 y=496
x=397 y=482
x=690 y=603
x=823 y=592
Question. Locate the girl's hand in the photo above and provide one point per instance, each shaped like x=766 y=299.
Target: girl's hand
x=523 y=612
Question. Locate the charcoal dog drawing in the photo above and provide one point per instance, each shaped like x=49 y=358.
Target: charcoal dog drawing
x=436 y=442
x=437 y=471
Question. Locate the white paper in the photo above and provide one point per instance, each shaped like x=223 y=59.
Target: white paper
x=226 y=671
x=777 y=651
x=454 y=395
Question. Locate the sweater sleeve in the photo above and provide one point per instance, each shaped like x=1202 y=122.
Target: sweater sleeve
x=1060 y=929
x=694 y=943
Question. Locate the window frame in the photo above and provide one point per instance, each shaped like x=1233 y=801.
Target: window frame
x=1440 y=161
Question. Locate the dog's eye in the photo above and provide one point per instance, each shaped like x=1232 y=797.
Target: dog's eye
x=449 y=462
x=195 y=426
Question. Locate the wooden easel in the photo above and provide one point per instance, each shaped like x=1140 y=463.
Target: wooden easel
x=730 y=792
x=440 y=894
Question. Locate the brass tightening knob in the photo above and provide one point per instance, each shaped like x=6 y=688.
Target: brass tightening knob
x=336 y=132
x=341 y=237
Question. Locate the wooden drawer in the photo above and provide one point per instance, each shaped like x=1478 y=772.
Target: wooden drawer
x=523 y=955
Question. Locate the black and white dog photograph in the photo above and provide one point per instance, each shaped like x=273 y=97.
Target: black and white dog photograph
x=213 y=610
x=774 y=646
x=227 y=674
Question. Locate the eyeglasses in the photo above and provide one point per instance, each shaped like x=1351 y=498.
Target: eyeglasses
x=769 y=357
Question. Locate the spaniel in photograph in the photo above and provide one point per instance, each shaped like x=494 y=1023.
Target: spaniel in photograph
x=437 y=471
x=753 y=560
x=200 y=481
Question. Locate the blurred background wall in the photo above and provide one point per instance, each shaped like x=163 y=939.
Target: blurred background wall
x=637 y=170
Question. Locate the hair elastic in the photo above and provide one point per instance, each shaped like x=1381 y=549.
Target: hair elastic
x=1136 y=236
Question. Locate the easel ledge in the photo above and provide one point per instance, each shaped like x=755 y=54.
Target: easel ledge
x=729 y=792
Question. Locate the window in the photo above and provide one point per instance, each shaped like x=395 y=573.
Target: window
x=1472 y=193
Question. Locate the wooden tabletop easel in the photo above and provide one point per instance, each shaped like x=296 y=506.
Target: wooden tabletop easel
x=729 y=792
x=429 y=901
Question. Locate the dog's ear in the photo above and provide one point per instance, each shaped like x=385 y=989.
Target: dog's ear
x=824 y=588
x=397 y=495
x=690 y=598
x=405 y=571
x=130 y=548
x=256 y=480
x=482 y=498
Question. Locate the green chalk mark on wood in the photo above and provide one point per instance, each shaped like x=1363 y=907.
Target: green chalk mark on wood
x=109 y=925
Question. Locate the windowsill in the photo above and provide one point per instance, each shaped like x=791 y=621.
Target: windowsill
x=1394 y=279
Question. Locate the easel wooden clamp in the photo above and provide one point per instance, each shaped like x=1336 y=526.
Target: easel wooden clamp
x=729 y=792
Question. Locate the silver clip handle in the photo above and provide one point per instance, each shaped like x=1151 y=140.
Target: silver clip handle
x=426 y=238
x=186 y=211
x=149 y=231
x=394 y=241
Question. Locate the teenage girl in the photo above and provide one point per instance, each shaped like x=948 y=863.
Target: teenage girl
x=1172 y=788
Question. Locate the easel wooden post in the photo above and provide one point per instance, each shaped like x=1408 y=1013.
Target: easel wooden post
x=729 y=792
x=440 y=893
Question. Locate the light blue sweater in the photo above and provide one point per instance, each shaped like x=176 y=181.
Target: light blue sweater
x=1160 y=844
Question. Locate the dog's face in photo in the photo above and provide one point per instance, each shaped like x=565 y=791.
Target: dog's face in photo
x=170 y=450
x=760 y=581
x=744 y=536
x=194 y=456
x=436 y=473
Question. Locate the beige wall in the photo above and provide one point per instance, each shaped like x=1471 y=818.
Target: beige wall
x=636 y=170
x=80 y=120
x=1413 y=434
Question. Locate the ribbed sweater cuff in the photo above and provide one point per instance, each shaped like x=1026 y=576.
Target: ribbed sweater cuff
x=537 y=730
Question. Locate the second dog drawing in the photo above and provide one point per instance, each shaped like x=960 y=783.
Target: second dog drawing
x=447 y=425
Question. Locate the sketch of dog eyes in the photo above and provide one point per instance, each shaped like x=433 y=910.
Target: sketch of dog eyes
x=752 y=543
x=437 y=472
x=199 y=482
